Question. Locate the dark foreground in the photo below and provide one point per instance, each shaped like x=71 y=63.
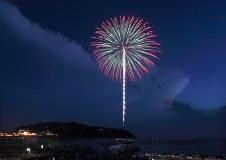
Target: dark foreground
x=96 y=149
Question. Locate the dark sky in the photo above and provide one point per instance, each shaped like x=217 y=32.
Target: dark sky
x=48 y=73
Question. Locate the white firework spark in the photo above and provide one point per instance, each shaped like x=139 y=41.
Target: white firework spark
x=125 y=49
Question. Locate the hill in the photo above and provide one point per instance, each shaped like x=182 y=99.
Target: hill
x=77 y=130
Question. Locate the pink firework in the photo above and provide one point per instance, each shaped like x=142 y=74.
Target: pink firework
x=125 y=49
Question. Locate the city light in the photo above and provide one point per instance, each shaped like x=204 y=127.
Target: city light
x=27 y=133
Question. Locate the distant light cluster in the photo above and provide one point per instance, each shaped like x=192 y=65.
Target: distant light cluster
x=26 y=133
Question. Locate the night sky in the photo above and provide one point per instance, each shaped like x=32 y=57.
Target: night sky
x=48 y=73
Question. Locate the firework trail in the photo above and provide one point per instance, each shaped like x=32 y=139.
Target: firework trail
x=124 y=49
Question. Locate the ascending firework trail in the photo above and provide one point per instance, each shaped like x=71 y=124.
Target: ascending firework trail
x=124 y=49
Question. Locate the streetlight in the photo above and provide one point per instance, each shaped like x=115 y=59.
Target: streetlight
x=28 y=150
x=42 y=147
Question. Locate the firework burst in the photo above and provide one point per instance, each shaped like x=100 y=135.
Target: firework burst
x=125 y=49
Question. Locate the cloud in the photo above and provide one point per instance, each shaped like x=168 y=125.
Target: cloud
x=186 y=121
x=33 y=34
x=41 y=70
x=161 y=86
x=47 y=77
x=150 y=98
